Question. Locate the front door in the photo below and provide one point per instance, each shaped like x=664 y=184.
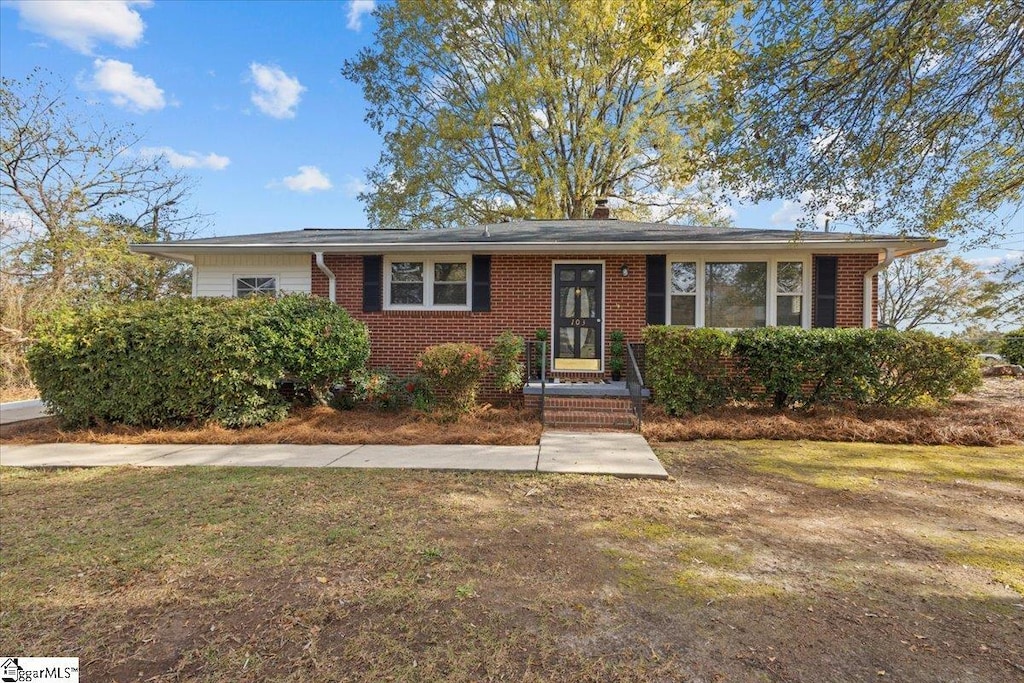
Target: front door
x=577 y=308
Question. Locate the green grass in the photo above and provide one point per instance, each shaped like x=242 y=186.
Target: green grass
x=858 y=466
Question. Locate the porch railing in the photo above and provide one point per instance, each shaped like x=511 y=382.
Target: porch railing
x=635 y=359
x=537 y=368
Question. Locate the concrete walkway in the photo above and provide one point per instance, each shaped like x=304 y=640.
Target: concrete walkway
x=19 y=411
x=622 y=454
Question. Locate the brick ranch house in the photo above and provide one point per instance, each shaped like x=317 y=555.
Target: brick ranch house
x=577 y=279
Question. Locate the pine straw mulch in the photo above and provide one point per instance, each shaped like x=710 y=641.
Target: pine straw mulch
x=991 y=416
x=487 y=425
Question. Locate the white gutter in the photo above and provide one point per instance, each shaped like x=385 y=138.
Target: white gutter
x=331 y=287
x=890 y=256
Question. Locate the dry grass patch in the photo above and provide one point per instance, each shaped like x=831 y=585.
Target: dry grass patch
x=18 y=393
x=759 y=561
x=486 y=425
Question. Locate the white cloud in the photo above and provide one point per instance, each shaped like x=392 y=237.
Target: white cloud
x=277 y=94
x=308 y=179
x=356 y=10
x=788 y=214
x=214 y=162
x=80 y=24
x=993 y=261
x=126 y=88
x=791 y=212
x=353 y=187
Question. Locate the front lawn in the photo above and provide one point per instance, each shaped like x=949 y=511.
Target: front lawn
x=758 y=561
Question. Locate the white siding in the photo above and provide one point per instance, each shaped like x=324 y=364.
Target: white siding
x=214 y=274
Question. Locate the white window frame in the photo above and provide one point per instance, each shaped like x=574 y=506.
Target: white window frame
x=771 y=289
x=238 y=276
x=428 y=282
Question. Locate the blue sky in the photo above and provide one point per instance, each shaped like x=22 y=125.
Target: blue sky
x=247 y=97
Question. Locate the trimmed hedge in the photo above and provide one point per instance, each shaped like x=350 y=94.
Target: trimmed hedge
x=1012 y=347
x=688 y=369
x=919 y=367
x=177 y=361
x=786 y=366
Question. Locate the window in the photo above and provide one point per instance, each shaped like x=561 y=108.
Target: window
x=789 y=294
x=737 y=292
x=407 y=283
x=450 y=284
x=734 y=294
x=683 y=294
x=256 y=285
x=440 y=283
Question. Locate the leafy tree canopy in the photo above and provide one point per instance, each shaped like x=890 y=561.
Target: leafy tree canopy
x=535 y=108
x=905 y=114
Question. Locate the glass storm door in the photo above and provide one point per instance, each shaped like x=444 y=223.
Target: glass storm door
x=578 y=316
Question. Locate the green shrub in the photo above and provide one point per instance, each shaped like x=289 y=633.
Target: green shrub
x=919 y=367
x=688 y=369
x=617 y=351
x=416 y=392
x=787 y=366
x=507 y=368
x=177 y=361
x=540 y=358
x=790 y=366
x=453 y=373
x=314 y=341
x=376 y=388
x=1012 y=347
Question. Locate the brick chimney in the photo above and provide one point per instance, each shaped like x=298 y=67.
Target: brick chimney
x=601 y=211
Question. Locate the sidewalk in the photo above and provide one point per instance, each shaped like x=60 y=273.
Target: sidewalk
x=621 y=454
x=18 y=411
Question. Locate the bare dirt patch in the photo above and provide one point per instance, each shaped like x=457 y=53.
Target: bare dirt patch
x=991 y=416
x=759 y=561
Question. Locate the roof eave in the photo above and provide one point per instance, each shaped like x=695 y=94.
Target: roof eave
x=183 y=252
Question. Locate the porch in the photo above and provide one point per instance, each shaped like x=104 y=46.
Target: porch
x=576 y=403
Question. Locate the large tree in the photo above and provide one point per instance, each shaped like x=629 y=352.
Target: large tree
x=535 y=108
x=74 y=191
x=935 y=289
x=907 y=114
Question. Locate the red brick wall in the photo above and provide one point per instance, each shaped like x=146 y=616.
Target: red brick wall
x=850 y=289
x=521 y=302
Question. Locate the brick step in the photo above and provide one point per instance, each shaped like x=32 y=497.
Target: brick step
x=605 y=418
x=578 y=403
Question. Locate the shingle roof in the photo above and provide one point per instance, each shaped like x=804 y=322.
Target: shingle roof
x=534 y=235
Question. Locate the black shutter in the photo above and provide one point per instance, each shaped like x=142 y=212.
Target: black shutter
x=825 y=271
x=373 y=283
x=655 y=289
x=481 y=283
